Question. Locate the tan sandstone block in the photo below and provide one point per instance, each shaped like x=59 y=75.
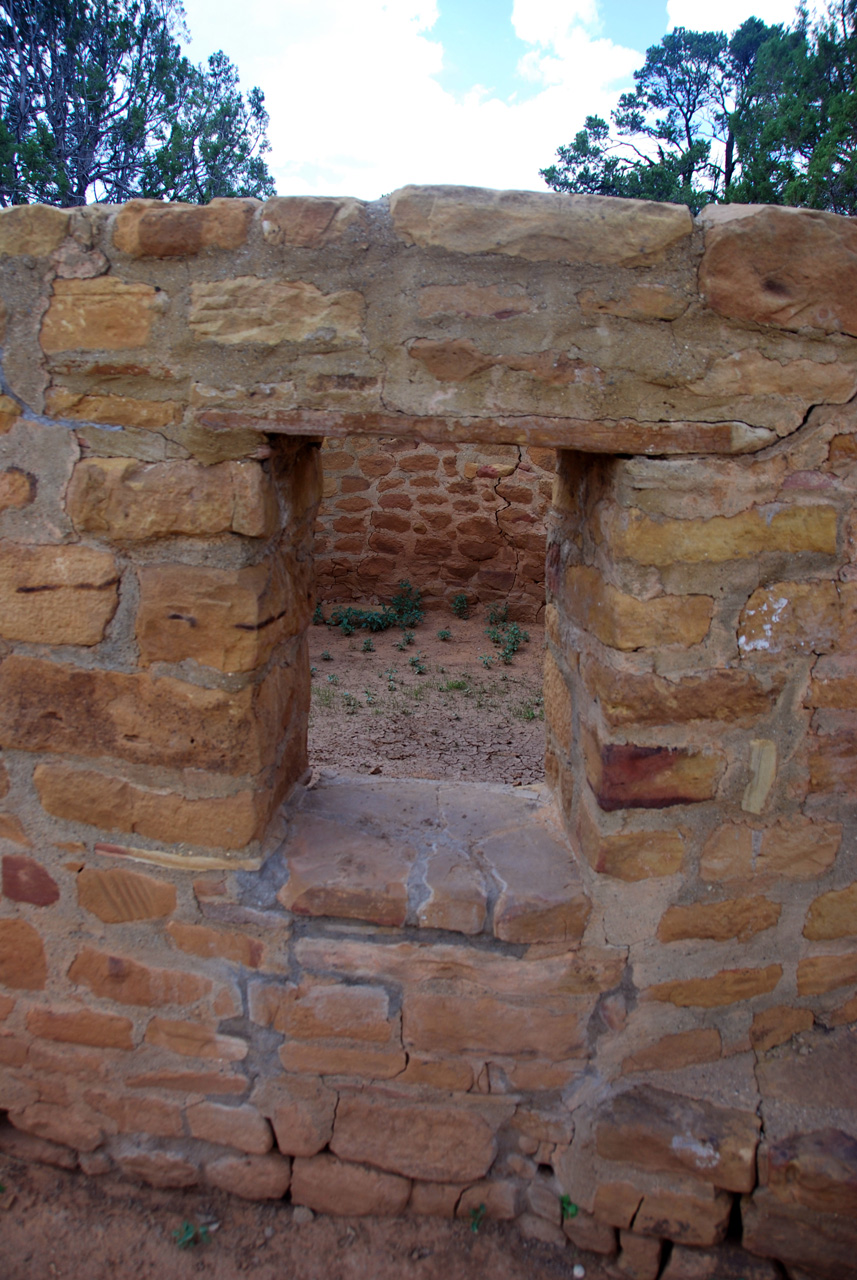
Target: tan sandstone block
x=790 y=617
x=301 y=1112
x=457 y=896
x=195 y=1040
x=231 y=619
x=422 y=1140
x=22 y=956
x=36 y=229
x=12 y=829
x=536 y=226
x=248 y=310
x=128 y=981
x=99 y=315
x=671 y=1053
x=240 y=1127
x=616 y=1203
x=666 y=1132
x=116 y=895
x=157 y=1168
x=153 y=229
x=134 y=1114
x=328 y=1010
x=17 y=488
x=10 y=412
x=156 y=721
x=200 y=940
x=750 y=533
x=113 y=804
x=819 y=974
x=56 y=595
x=311 y=222
x=112 y=410
x=729 y=986
x=782 y=267
x=833 y=915
x=81 y=1026
x=459 y=1024
x=251 y=1177
x=132 y=501
x=626 y=698
x=738 y=918
x=630 y=855
x=323 y=1058
x=792 y=848
x=58 y=1124
x=638 y=302
x=624 y=622
x=557 y=703
x=333 y=1186
x=816 y=1170
x=699 y=1216
x=776 y=1025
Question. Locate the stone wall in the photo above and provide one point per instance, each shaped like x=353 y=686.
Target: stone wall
x=461 y=518
x=635 y=988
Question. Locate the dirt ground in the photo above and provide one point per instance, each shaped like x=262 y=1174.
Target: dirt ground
x=58 y=1224
x=433 y=708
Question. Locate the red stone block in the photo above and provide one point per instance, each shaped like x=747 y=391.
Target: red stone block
x=24 y=880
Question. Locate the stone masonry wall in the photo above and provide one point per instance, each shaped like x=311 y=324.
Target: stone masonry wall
x=634 y=989
x=462 y=518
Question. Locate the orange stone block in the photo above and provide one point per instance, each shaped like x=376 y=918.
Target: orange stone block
x=251 y=1177
x=195 y=1040
x=116 y=895
x=833 y=915
x=22 y=956
x=727 y=987
x=240 y=1127
x=671 y=1053
x=200 y=940
x=81 y=1026
x=152 y=229
x=333 y=1186
x=739 y=918
x=777 y=1025
x=421 y=1140
x=129 y=982
x=628 y=855
x=101 y=314
x=624 y=622
x=56 y=594
x=818 y=974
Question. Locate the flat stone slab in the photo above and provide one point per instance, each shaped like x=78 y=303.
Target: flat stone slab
x=470 y=858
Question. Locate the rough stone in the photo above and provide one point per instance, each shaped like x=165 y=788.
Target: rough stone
x=776 y=1025
x=630 y=856
x=790 y=617
x=17 y=489
x=240 y=1127
x=103 y=314
x=726 y=1263
x=832 y=915
x=422 y=1140
x=457 y=899
x=792 y=529
x=333 y=1186
x=17 y=1145
x=687 y=1217
x=311 y=222
x=585 y=1231
x=738 y=918
x=301 y=1112
x=823 y=1244
x=23 y=965
x=25 y=880
x=152 y=229
x=323 y=1058
x=668 y=1133
x=455 y=1024
x=537 y=227
x=112 y=410
x=35 y=229
x=165 y=1169
x=195 y=1040
x=129 y=981
x=541 y=896
x=200 y=940
x=815 y=1170
x=626 y=776
x=818 y=974
x=328 y=1010
x=726 y=987
x=56 y=595
x=794 y=848
x=82 y=1026
x=627 y=699
x=672 y=1052
x=58 y=1124
x=251 y=310
x=639 y=1257
x=251 y=1177
x=131 y=501
x=116 y=895
x=624 y=622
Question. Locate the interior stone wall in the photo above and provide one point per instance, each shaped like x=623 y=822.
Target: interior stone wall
x=635 y=988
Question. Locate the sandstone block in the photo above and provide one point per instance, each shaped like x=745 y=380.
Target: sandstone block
x=532 y=1227
x=792 y=529
x=152 y=229
x=541 y=898
x=231 y=619
x=300 y=1111
x=779 y=269
x=434 y=1199
x=639 y=1258
x=671 y=1053
x=190 y=1081
x=499 y=1196
x=241 y=1127
x=472 y=300
x=739 y=918
x=585 y=1231
x=81 y=1026
x=17 y=488
x=630 y=855
x=726 y=987
x=12 y=829
x=557 y=703
x=818 y=974
x=312 y=222
x=316 y=1009
x=116 y=895
x=194 y=1040
x=328 y=1185
x=833 y=761
x=10 y=412
x=99 y=315
x=776 y=1025
x=165 y=1169
x=58 y=1124
x=113 y=410
x=131 y=501
x=22 y=957
x=794 y=1078
x=25 y=880
x=248 y=310
x=665 y=1132
x=159 y=721
x=624 y=622
x=616 y=1203
x=56 y=595
x=625 y=776
x=336 y=871
x=35 y=229
x=129 y=982
x=794 y=848
x=813 y=1170
x=834 y=684
x=790 y=617
x=417 y=1140
x=457 y=897
x=725 y=1263
x=26 y=1146
x=625 y=699
x=537 y=227
x=832 y=915
x=816 y=1245
x=7 y=1004
x=200 y=940
x=455 y=1024
x=133 y=1114
x=687 y=1217
x=252 y=1177
x=320 y=1057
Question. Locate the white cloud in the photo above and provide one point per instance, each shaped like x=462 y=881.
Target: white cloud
x=729 y=14
x=356 y=108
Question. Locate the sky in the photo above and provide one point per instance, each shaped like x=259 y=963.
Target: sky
x=366 y=96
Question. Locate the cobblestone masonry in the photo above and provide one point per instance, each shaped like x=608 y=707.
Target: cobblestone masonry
x=635 y=987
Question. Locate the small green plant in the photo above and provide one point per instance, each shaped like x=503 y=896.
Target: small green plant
x=418 y=663
x=323 y=696
x=407 y=638
x=477 y=1217
x=529 y=710
x=507 y=636
x=444 y=634
x=407 y=605
x=352 y=704
x=325 y=656
x=567 y=1207
x=460 y=606
x=313 y=671
x=487 y=660
x=188 y=1234
x=454 y=686
x=318 y=616
x=333 y=679
x=369 y=696
x=498 y=613
x=390 y=675
x=368 y=645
